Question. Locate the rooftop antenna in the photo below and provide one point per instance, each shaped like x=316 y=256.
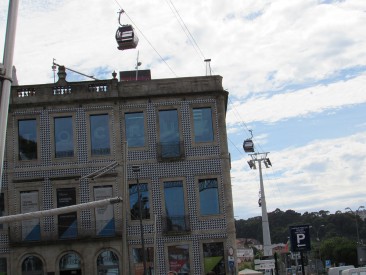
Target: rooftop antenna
x=137 y=65
x=54 y=70
x=208 y=66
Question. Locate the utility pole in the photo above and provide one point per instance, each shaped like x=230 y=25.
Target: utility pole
x=262 y=158
x=6 y=74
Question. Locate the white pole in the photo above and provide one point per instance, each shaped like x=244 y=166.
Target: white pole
x=6 y=86
x=58 y=211
x=267 y=249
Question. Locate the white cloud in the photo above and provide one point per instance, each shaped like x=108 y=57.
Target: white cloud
x=299 y=103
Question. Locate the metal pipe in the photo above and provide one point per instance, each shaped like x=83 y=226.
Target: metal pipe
x=136 y=169
x=7 y=78
x=58 y=211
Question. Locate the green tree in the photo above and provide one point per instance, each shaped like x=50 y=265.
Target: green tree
x=339 y=250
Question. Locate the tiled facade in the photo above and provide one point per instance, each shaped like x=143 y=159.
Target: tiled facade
x=200 y=239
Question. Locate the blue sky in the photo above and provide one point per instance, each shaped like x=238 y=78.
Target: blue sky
x=295 y=71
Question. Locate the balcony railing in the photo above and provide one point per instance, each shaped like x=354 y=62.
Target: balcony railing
x=176 y=225
x=170 y=151
x=22 y=234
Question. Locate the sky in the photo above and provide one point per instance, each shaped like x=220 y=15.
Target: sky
x=295 y=72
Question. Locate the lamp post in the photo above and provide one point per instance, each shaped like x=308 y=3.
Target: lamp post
x=317 y=238
x=356 y=214
x=136 y=169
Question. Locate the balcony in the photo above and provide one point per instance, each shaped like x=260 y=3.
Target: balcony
x=176 y=225
x=22 y=234
x=170 y=151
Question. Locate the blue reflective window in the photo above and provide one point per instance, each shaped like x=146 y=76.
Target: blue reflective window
x=169 y=133
x=64 y=137
x=134 y=201
x=135 y=129
x=174 y=204
x=27 y=139
x=202 y=120
x=209 y=196
x=99 y=135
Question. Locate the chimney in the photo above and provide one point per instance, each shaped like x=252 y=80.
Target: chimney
x=61 y=75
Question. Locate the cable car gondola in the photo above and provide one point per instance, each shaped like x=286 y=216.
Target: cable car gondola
x=126 y=36
x=248 y=146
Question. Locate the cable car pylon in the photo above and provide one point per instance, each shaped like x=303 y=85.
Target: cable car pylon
x=259 y=158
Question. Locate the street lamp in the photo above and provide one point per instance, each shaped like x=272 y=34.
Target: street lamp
x=356 y=214
x=317 y=238
x=136 y=169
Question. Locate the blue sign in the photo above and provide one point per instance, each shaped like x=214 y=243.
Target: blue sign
x=328 y=264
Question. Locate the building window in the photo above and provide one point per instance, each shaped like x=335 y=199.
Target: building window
x=174 y=207
x=134 y=201
x=104 y=217
x=214 y=260
x=99 y=135
x=67 y=223
x=169 y=134
x=70 y=264
x=31 y=230
x=27 y=139
x=108 y=263
x=179 y=259
x=64 y=137
x=202 y=121
x=2 y=209
x=3 y=266
x=135 y=129
x=138 y=264
x=209 y=197
x=32 y=265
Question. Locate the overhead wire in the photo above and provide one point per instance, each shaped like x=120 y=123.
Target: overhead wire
x=133 y=23
x=185 y=28
x=244 y=125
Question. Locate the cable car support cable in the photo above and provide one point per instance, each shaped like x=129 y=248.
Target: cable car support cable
x=146 y=39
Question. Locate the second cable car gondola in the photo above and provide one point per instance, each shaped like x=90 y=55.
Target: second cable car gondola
x=126 y=36
x=248 y=146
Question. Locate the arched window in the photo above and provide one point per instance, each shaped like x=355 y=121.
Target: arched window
x=107 y=263
x=70 y=264
x=32 y=265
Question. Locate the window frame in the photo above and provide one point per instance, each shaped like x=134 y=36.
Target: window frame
x=52 y=137
x=124 y=130
x=190 y=253
x=180 y=129
x=111 y=134
x=141 y=181
x=214 y=122
x=225 y=256
x=220 y=197
x=16 y=139
x=185 y=195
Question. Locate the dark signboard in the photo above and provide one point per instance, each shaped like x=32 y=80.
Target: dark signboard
x=135 y=75
x=300 y=238
x=67 y=223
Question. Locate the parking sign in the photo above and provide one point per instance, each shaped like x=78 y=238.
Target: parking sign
x=300 y=238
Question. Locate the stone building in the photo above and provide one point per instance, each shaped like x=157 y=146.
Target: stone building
x=159 y=144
